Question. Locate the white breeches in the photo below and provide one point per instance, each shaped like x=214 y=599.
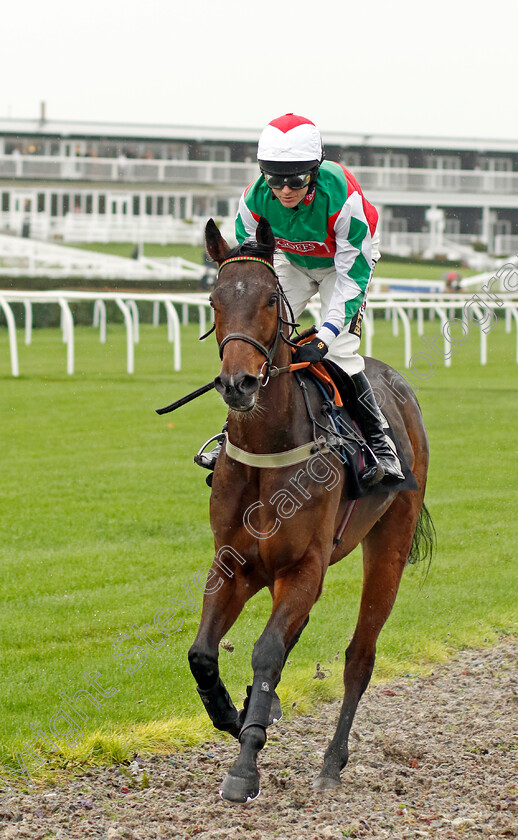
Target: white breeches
x=300 y=285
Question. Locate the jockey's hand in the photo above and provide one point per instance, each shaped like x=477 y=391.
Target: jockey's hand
x=314 y=351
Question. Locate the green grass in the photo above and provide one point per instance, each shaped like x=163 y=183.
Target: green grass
x=104 y=518
x=193 y=253
x=411 y=271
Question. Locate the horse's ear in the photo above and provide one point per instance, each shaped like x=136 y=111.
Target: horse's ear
x=264 y=234
x=216 y=246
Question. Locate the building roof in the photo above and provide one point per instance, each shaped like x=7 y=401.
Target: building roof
x=73 y=129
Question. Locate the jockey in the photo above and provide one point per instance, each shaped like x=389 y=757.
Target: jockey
x=327 y=241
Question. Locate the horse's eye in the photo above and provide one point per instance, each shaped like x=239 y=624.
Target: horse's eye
x=272 y=300
x=211 y=302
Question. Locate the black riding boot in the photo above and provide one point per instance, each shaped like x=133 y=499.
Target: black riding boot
x=388 y=466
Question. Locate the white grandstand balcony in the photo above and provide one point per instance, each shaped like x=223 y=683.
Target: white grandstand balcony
x=406 y=180
x=220 y=173
x=423 y=181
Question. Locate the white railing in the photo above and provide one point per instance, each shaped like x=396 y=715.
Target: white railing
x=437 y=180
x=128 y=171
x=401 y=308
x=217 y=173
x=126 y=302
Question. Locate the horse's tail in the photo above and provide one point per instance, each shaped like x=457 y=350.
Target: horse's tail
x=424 y=543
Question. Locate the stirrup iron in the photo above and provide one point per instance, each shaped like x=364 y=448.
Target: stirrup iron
x=373 y=471
x=208 y=459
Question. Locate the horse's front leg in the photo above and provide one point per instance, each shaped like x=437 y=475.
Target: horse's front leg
x=220 y=610
x=294 y=595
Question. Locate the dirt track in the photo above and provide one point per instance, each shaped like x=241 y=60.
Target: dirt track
x=430 y=757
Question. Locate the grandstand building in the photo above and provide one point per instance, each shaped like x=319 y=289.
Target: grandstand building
x=72 y=182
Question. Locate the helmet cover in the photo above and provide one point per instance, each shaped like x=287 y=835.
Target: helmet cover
x=290 y=139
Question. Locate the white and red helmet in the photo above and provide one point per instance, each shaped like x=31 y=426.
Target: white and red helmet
x=290 y=144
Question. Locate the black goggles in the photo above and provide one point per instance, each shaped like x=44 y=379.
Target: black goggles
x=294 y=182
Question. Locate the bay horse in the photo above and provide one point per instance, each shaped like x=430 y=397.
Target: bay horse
x=274 y=527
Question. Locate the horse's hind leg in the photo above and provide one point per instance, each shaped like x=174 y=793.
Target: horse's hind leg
x=385 y=551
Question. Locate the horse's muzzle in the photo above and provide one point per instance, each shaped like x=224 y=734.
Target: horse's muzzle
x=239 y=391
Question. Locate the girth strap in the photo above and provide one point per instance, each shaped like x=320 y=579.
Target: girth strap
x=277 y=459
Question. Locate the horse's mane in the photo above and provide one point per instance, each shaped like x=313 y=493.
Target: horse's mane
x=251 y=248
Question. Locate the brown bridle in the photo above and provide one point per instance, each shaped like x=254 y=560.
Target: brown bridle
x=269 y=369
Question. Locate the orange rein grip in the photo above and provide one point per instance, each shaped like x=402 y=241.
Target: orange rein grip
x=319 y=371
x=299 y=366
x=323 y=375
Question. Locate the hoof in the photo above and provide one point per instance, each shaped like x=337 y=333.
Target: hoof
x=275 y=711
x=326 y=783
x=236 y=789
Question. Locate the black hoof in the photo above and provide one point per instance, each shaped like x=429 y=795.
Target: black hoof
x=236 y=789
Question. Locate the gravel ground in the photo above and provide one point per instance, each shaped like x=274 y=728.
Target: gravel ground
x=430 y=757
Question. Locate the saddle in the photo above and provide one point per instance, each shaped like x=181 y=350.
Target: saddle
x=344 y=436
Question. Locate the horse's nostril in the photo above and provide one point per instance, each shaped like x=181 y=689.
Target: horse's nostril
x=247 y=384
x=243 y=385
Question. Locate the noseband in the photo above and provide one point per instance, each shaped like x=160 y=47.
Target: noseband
x=267 y=353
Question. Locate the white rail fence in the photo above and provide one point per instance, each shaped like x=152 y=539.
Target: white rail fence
x=400 y=308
